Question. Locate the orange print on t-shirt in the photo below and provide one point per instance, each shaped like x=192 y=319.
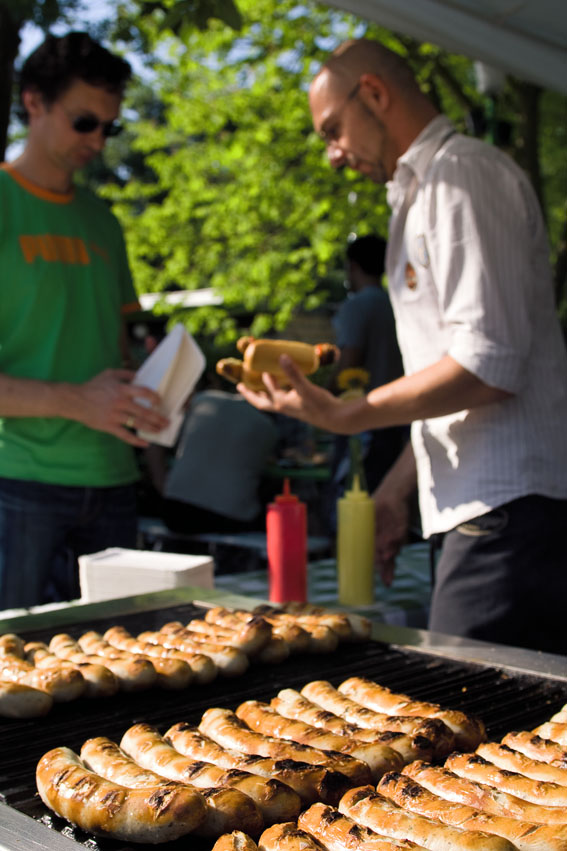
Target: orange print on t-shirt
x=55 y=249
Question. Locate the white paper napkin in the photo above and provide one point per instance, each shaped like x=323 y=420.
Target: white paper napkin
x=172 y=370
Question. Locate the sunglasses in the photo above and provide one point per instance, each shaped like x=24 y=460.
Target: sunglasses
x=88 y=124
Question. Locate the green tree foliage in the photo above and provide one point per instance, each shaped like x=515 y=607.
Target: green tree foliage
x=242 y=197
x=13 y=15
x=177 y=17
x=220 y=180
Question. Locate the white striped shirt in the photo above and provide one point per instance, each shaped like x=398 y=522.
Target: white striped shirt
x=469 y=276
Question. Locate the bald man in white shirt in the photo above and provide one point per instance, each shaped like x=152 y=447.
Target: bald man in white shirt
x=485 y=387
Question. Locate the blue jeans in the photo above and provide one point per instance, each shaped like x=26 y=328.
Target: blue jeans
x=44 y=528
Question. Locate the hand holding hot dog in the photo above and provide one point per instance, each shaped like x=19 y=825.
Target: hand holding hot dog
x=259 y=356
x=300 y=399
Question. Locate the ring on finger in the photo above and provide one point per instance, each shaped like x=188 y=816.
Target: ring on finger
x=129 y=422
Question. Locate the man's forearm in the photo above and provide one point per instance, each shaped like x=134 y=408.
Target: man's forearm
x=29 y=397
x=441 y=389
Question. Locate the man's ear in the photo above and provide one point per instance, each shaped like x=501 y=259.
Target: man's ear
x=375 y=93
x=33 y=102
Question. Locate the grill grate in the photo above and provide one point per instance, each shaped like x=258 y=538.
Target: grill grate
x=504 y=701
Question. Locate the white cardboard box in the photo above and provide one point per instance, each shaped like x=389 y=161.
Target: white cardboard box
x=118 y=572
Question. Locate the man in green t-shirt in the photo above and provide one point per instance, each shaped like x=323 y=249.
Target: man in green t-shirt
x=68 y=410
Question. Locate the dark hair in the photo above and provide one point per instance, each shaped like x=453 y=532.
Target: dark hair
x=370 y=254
x=60 y=60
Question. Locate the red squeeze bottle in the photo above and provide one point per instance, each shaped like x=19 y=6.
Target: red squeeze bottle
x=286 y=533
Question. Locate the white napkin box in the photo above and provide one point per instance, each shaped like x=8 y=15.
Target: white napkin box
x=118 y=572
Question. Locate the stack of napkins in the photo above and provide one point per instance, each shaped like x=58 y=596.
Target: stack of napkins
x=172 y=370
x=118 y=572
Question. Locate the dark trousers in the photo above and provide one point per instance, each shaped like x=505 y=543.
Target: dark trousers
x=44 y=528
x=502 y=577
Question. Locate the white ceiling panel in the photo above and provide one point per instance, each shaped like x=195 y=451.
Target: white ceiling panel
x=525 y=38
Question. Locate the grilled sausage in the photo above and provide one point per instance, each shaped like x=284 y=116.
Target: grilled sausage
x=261 y=717
x=339 y=832
x=62 y=685
x=21 y=701
x=335 y=621
x=560 y=716
x=474 y=767
x=235 y=841
x=311 y=782
x=275 y=651
x=553 y=730
x=38 y=654
x=322 y=639
x=227 y=729
x=171 y=674
x=367 y=807
x=229 y=809
x=203 y=668
x=326 y=696
x=288 y=837
x=511 y=760
x=133 y=674
x=537 y=748
x=226 y=808
x=450 y=786
x=149 y=749
x=11 y=645
x=296 y=638
x=229 y=661
x=152 y=816
x=276 y=800
x=526 y=836
x=105 y=757
x=249 y=636
x=469 y=732
x=360 y=626
x=99 y=681
x=271 y=649
x=293 y=705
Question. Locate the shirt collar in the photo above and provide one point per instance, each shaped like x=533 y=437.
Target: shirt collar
x=414 y=162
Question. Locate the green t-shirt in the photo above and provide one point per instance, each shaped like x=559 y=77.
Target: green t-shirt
x=64 y=283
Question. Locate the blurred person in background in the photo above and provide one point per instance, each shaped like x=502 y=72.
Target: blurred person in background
x=213 y=483
x=366 y=337
x=68 y=411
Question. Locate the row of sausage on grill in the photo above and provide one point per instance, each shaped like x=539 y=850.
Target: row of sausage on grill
x=245 y=770
x=34 y=675
x=356 y=767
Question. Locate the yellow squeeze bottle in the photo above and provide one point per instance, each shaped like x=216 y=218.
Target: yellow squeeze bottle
x=355 y=546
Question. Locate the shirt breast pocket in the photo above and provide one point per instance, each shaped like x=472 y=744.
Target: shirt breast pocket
x=417 y=284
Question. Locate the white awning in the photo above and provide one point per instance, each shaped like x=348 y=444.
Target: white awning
x=524 y=38
x=181 y=298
